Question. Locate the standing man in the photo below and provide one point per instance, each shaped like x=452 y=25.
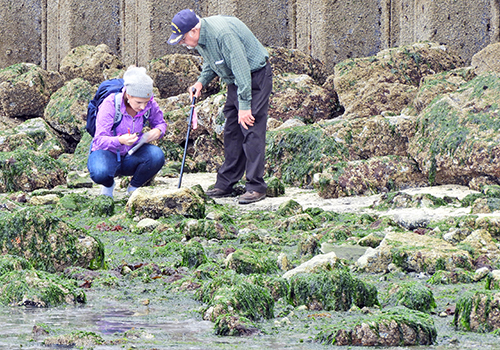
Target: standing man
x=231 y=51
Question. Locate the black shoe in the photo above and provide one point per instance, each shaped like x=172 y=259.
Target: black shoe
x=218 y=193
x=251 y=196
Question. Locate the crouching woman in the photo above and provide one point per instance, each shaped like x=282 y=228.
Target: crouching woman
x=109 y=156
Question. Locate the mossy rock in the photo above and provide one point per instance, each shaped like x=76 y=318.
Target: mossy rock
x=39 y=289
x=79 y=339
x=279 y=287
x=249 y=261
x=208 y=229
x=102 y=206
x=275 y=187
x=193 y=254
x=412 y=295
x=290 y=208
x=74 y=202
x=337 y=290
x=231 y=325
x=78 y=161
x=13 y=263
x=243 y=299
x=27 y=170
x=294 y=155
x=478 y=311
x=47 y=242
x=451 y=277
x=395 y=327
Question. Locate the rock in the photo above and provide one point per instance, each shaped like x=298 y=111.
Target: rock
x=411 y=221
x=482 y=243
x=319 y=263
x=298 y=97
x=102 y=206
x=27 y=170
x=78 y=179
x=486 y=60
x=173 y=74
x=457 y=275
x=388 y=81
x=478 y=311
x=193 y=255
x=38 y=289
x=66 y=110
x=371 y=240
x=377 y=174
x=395 y=327
x=13 y=263
x=414 y=252
x=283 y=262
x=92 y=63
x=53 y=248
x=76 y=339
x=209 y=229
x=248 y=261
x=275 y=187
x=44 y=200
x=33 y=134
x=451 y=145
x=285 y=61
x=25 y=89
x=413 y=295
x=229 y=325
x=335 y=290
x=159 y=202
x=146 y=225
x=302 y=222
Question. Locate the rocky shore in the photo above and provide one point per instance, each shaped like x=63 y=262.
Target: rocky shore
x=379 y=228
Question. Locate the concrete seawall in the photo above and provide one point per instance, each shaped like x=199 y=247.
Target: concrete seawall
x=43 y=31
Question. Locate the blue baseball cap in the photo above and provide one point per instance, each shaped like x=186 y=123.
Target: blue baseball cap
x=182 y=23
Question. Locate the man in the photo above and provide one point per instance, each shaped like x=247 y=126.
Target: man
x=231 y=51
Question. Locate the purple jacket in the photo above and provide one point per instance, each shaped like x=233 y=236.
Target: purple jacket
x=104 y=139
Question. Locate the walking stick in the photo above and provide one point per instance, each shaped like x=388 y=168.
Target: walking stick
x=187 y=137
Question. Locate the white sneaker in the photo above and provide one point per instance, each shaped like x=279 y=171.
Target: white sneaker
x=108 y=191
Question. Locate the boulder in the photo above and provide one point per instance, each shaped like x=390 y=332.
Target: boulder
x=298 y=96
x=478 y=311
x=66 y=111
x=173 y=74
x=395 y=327
x=375 y=175
x=413 y=295
x=35 y=135
x=284 y=61
x=249 y=261
x=38 y=289
x=159 y=202
x=47 y=242
x=319 y=263
x=486 y=60
x=455 y=139
x=25 y=89
x=413 y=252
x=92 y=63
x=388 y=81
x=25 y=170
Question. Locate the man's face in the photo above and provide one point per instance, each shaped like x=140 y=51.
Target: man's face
x=190 y=39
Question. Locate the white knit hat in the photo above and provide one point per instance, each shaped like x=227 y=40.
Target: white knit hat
x=138 y=83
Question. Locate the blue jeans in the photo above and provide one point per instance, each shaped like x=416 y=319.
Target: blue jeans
x=142 y=165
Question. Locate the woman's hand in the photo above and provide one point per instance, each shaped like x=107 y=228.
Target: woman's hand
x=128 y=139
x=153 y=134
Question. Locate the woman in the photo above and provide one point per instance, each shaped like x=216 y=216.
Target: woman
x=109 y=155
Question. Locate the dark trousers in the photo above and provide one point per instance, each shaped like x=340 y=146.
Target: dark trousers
x=244 y=150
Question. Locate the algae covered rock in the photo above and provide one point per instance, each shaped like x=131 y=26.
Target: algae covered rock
x=337 y=290
x=455 y=139
x=34 y=134
x=25 y=89
x=208 y=229
x=25 y=170
x=395 y=327
x=66 y=111
x=13 y=263
x=193 y=254
x=319 y=263
x=38 y=289
x=478 y=311
x=79 y=339
x=47 y=242
x=248 y=261
x=102 y=206
x=413 y=252
x=158 y=202
x=412 y=295
x=92 y=63
x=231 y=325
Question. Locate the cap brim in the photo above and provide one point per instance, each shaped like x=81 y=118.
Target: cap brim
x=175 y=38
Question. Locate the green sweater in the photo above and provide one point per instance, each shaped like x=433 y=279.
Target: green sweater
x=231 y=51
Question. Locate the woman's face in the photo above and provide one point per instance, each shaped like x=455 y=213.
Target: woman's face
x=137 y=103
